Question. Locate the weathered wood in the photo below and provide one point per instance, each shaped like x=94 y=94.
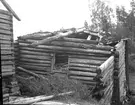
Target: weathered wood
x=35 y=36
x=70 y=49
x=7 y=62
x=5 y=26
x=71 y=44
x=7 y=67
x=7 y=58
x=58 y=36
x=35 y=64
x=53 y=62
x=92 y=70
x=6 y=70
x=110 y=67
x=35 y=61
x=79 y=40
x=5 y=21
x=60 y=51
x=8 y=73
x=5 y=42
x=107 y=76
x=86 y=61
x=34 y=53
x=35 y=67
x=5 y=17
x=105 y=65
x=29 y=72
x=7 y=52
x=39 y=98
x=82 y=78
x=80 y=45
x=119 y=45
x=7 y=32
x=10 y=9
x=5 y=46
x=5 y=37
x=88 y=57
x=35 y=57
x=5 y=12
x=82 y=73
x=82 y=65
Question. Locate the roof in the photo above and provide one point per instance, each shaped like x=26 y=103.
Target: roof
x=7 y=6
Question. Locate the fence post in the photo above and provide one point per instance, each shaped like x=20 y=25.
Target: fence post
x=127 y=64
x=116 y=89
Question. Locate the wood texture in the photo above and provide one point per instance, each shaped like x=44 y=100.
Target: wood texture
x=58 y=36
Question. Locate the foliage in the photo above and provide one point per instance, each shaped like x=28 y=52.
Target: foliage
x=53 y=85
x=127 y=20
x=101 y=16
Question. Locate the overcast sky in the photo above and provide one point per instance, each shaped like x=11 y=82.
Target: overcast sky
x=50 y=15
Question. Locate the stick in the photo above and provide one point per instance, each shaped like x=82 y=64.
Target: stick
x=38 y=98
x=34 y=74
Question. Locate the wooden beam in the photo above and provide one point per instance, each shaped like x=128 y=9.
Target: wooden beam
x=10 y=9
x=57 y=36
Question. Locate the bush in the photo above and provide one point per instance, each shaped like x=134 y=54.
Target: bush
x=53 y=85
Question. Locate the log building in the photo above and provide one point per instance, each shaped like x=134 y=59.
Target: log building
x=9 y=83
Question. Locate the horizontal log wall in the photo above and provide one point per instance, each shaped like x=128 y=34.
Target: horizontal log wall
x=87 y=54
x=9 y=83
x=6 y=43
x=33 y=60
x=87 y=61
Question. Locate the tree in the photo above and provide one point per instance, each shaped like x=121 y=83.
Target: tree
x=101 y=16
x=127 y=19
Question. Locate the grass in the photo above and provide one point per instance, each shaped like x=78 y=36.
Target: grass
x=54 y=85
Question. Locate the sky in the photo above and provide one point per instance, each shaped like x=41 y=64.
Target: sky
x=51 y=15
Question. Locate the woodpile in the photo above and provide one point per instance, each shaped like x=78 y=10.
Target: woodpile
x=7 y=55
